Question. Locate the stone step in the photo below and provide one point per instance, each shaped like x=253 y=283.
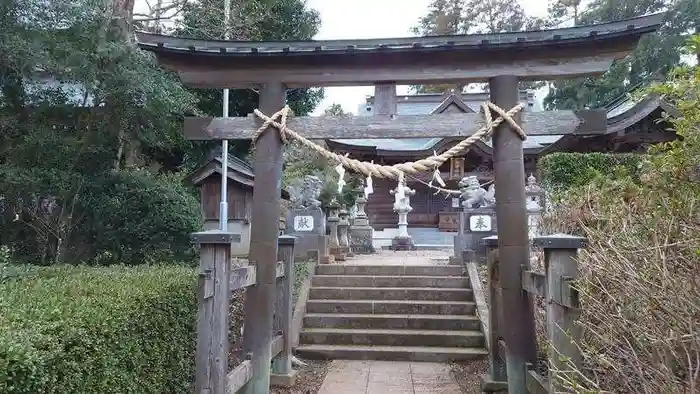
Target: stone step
x=389 y=270
x=391 y=307
x=390 y=293
x=390 y=281
x=392 y=321
x=397 y=353
x=378 y=337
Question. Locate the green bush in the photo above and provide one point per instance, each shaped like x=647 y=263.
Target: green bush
x=125 y=217
x=38 y=206
x=137 y=216
x=98 y=330
x=561 y=171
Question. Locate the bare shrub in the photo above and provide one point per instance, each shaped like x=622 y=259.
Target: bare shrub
x=640 y=274
x=639 y=290
x=540 y=310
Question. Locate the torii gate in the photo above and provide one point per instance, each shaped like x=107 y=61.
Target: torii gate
x=501 y=59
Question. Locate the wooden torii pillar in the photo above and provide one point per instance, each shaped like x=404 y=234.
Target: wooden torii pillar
x=260 y=299
x=501 y=59
x=513 y=245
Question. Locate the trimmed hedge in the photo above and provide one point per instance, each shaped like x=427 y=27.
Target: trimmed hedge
x=561 y=171
x=98 y=330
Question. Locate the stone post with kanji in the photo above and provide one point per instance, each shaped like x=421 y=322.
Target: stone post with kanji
x=306 y=220
x=476 y=220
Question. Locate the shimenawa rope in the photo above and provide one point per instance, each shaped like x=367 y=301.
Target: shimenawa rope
x=397 y=170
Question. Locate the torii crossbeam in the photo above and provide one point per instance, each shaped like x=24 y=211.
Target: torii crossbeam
x=583 y=122
x=501 y=59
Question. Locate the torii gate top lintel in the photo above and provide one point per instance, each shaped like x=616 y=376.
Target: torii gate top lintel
x=530 y=55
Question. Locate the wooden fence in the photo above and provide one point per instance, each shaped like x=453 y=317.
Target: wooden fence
x=562 y=310
x=217 y=280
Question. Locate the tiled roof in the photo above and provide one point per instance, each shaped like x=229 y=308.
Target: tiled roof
x=640 y=25
x=413 y=144
x=408 y=144
x=422 y=144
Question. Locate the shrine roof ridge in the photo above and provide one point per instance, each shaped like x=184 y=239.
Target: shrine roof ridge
x=537 y=38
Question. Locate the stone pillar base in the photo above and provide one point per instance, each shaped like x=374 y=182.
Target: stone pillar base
x=467 y=256
x=458 y=242
x=283 y=380
x=330 y=259
x=339 y=257
x=361 y=240
x=402 y=243
x=338 y=254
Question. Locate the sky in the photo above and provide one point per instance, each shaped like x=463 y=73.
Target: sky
x=341 y=19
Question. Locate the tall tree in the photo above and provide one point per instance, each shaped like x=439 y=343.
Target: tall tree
x=654 y=57
x=257 y=20
x=449 y=17
x=686 y=17
x=444 y=17
x=335 y=109
x=83 y=110
x=563 y=11
x=494 y=16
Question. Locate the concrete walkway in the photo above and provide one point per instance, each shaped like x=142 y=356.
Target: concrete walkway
x=388 y=377
x=388 y=257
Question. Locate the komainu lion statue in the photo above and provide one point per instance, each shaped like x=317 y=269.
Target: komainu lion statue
x=473 y=195
x=306 y=196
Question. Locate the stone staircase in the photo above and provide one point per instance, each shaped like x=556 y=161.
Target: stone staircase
x=391 y=312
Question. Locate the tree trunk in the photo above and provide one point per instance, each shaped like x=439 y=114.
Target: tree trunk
x=157 y=14
x=121 y=142
x=697 y=55
x=12 y=87
x=123 y=15
x=119 y=28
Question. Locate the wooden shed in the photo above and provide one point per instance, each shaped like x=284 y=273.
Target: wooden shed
x=207 y=179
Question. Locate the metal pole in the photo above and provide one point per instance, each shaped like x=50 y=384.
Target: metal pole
x=223 y=206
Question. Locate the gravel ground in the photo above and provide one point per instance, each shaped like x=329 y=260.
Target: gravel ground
x=468 y=375
x=236 y=314
x=308 y=380
x=481 y=367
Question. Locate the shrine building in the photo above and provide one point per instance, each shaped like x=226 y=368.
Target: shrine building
x=631 y=127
